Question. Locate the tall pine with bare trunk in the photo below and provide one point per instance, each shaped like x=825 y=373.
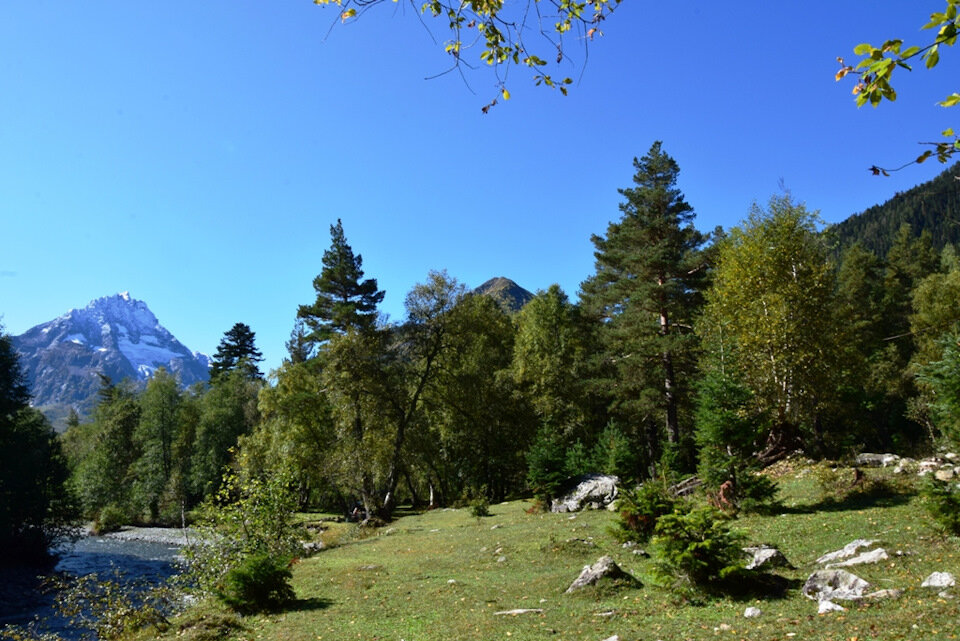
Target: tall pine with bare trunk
x=646 y=289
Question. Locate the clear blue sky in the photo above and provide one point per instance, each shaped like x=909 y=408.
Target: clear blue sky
x=196 y=153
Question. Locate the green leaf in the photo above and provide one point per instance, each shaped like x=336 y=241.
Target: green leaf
x=863 y=49
x=936 y=19
x=947 y=132
x=951 y=100
x=932 y=57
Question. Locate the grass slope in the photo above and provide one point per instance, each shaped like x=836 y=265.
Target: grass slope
x=444 y=574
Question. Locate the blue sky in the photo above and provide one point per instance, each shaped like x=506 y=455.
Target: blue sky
x=196 y=153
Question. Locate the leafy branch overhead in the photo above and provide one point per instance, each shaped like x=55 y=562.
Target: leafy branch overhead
x=876 y=68
x=501 y=32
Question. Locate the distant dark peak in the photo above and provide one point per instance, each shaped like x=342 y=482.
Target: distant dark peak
x=511 y=296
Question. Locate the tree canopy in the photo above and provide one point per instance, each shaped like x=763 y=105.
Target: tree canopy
x=768 y=316
x=36 y=506
x=533 y=34
x=647 y=287
x=875 y=72
x=237 y=350
x=344 y=298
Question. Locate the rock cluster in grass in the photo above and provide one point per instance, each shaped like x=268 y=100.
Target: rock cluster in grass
x=590 y=491
x=945 y=467
x=833 y=584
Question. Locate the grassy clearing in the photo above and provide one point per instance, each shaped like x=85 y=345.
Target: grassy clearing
x=443 y=575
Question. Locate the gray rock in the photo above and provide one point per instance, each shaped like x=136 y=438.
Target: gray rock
x=592 y=491
x=752 y=613
x=873 y=556
x=884 y=594
x=945 y=474
x=519 y=611
x=615 y=637
x=877 y=460
x=939 y=580
x=604 y=568
x=829 y=606
x=846 y=551
x=764 y=556
x=312 y=547
x=827 y=585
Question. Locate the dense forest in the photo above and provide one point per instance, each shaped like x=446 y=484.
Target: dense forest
x=932 y=207
x=685 y=353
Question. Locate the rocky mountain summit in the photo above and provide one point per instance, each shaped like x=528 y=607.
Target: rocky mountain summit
x=511 y=296
x=117 y=336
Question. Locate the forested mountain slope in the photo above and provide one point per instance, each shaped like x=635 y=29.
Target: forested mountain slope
x=933 y=206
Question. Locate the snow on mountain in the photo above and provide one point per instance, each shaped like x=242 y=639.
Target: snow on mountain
x=117 y=336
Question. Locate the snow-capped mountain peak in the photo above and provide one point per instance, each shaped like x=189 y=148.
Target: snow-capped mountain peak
x=115 y=335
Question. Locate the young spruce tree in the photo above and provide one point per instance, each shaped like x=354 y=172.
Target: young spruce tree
x=237 y=349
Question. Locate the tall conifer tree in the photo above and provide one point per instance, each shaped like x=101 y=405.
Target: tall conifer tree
x=237 y=349
x=646 y=289
x=344 y=299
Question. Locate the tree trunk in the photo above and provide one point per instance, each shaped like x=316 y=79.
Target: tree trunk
x=670 y=399
x=414 y=498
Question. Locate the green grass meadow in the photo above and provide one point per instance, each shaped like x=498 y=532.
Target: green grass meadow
x=442 y=576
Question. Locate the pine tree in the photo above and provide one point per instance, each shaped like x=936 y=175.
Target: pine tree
x=299 y=348
x=344 y=300
x=645 y=291
x=237 y=350
x=14 y=395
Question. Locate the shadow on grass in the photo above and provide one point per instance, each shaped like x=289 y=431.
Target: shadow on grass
x=312 y=604
x=751 y=586
x=743 y=586
x=883 y=496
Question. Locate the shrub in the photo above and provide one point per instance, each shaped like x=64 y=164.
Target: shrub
x=640 y=509
x=480 y=506
x=112 y=608
x=546 y=465
x=260 y=583
x=247 y=518
x=943 y=503
x=614 y=454
x=695 y=548
x=110 y=519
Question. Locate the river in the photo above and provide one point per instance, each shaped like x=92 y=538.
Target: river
x=140 y=554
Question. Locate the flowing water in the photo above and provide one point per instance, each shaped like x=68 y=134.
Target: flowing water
x=142 y=555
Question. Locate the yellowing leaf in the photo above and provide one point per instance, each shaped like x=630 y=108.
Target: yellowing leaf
x=506 y=94
x=349 y=13
x=951 y=100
